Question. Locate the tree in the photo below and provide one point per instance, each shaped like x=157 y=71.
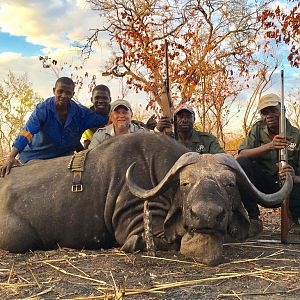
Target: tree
x=282 y=24
x=17 y=99
x=293 y=107
x=140 y=114
x=211 y=44
x=80 y=77
x=265 y=68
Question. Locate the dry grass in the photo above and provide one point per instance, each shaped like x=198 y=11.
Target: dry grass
x=250 y=270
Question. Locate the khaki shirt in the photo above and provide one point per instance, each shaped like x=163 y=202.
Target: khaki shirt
x=107 y=132
x=259 y=135
x=203 y=142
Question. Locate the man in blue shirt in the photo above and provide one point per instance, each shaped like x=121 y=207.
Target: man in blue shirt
x=54 y=128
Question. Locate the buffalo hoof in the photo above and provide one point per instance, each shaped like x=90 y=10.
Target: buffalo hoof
x=206 y=248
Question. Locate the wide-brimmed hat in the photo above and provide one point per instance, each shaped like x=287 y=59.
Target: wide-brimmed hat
x=184 y=106
x=120 y=102
x=268 y=100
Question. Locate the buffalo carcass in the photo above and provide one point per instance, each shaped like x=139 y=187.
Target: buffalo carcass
x=190 y=195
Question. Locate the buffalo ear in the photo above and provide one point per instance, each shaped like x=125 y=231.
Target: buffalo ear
x=239 y=225
x=173 y=227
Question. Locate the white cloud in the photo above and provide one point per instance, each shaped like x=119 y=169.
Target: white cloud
x=8 y=57
x=43 y=80
x=53 y=24
x=296 y=75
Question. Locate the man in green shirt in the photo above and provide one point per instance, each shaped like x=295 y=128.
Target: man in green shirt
x=197 y=141
x=259 y=156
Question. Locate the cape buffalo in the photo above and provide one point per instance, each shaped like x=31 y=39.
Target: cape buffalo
x=192 y=197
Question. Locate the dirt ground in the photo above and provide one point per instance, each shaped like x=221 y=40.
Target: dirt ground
x=251 y=270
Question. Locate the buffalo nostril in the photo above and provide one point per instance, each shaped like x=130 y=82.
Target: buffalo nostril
x=220 y=217
x=208 y=212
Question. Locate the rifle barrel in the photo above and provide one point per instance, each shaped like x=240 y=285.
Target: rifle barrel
x=283 y=159
x=283 y=152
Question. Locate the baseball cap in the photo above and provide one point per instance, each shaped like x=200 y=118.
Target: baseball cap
x=184 y=106
x=118 y=103
x=268 y=100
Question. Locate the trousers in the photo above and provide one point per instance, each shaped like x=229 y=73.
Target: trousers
x=267 y=184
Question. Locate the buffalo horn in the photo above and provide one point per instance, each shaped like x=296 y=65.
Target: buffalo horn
x=184 y=160
x=242 y=178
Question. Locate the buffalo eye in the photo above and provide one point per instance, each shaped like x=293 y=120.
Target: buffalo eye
x=229 y=184
x=185 y=183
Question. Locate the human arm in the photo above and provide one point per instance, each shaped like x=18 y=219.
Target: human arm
x=86 y=144
x=87 y=137
x=24 y=138
x=91 y=119
x=278 y=142
x=79 y=147
x=10 y=162
x=32 y=126
x=99 y=136
x=138 y=123
x=94 y=142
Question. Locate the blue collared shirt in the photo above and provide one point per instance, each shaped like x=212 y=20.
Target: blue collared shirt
x=50 y=137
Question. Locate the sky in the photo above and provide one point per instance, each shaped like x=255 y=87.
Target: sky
x=33 y=28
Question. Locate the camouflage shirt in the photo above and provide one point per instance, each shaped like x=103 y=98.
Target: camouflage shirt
x=259 y=135
x=203 y=142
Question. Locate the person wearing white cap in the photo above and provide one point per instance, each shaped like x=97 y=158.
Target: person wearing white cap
x=120 y=118
x=201 y=142
x=258 y=156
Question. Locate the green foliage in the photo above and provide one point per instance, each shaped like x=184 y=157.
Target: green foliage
x=17 y=100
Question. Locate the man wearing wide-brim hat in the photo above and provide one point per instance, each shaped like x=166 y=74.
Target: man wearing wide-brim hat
x=120 y=117
x=258 y=156
x=198 y=141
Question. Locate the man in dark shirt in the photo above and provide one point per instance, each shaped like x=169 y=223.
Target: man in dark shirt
x=258 y=156
x=201 y=142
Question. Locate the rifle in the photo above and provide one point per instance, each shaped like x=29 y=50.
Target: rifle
x=167 y=110
x=283 y=160
x=166 y=103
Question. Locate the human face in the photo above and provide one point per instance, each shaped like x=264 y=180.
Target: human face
x=101 y=100
x=63 y=93
x=121 y=117
x=270 y=116
x=185 y=121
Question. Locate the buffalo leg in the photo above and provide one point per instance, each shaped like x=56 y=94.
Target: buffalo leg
x=17 y=235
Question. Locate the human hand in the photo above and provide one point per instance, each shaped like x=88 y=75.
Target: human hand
x=6 y=167
x=279 y=142
x=163 y=123
x=286 y=168
x=151 y=123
